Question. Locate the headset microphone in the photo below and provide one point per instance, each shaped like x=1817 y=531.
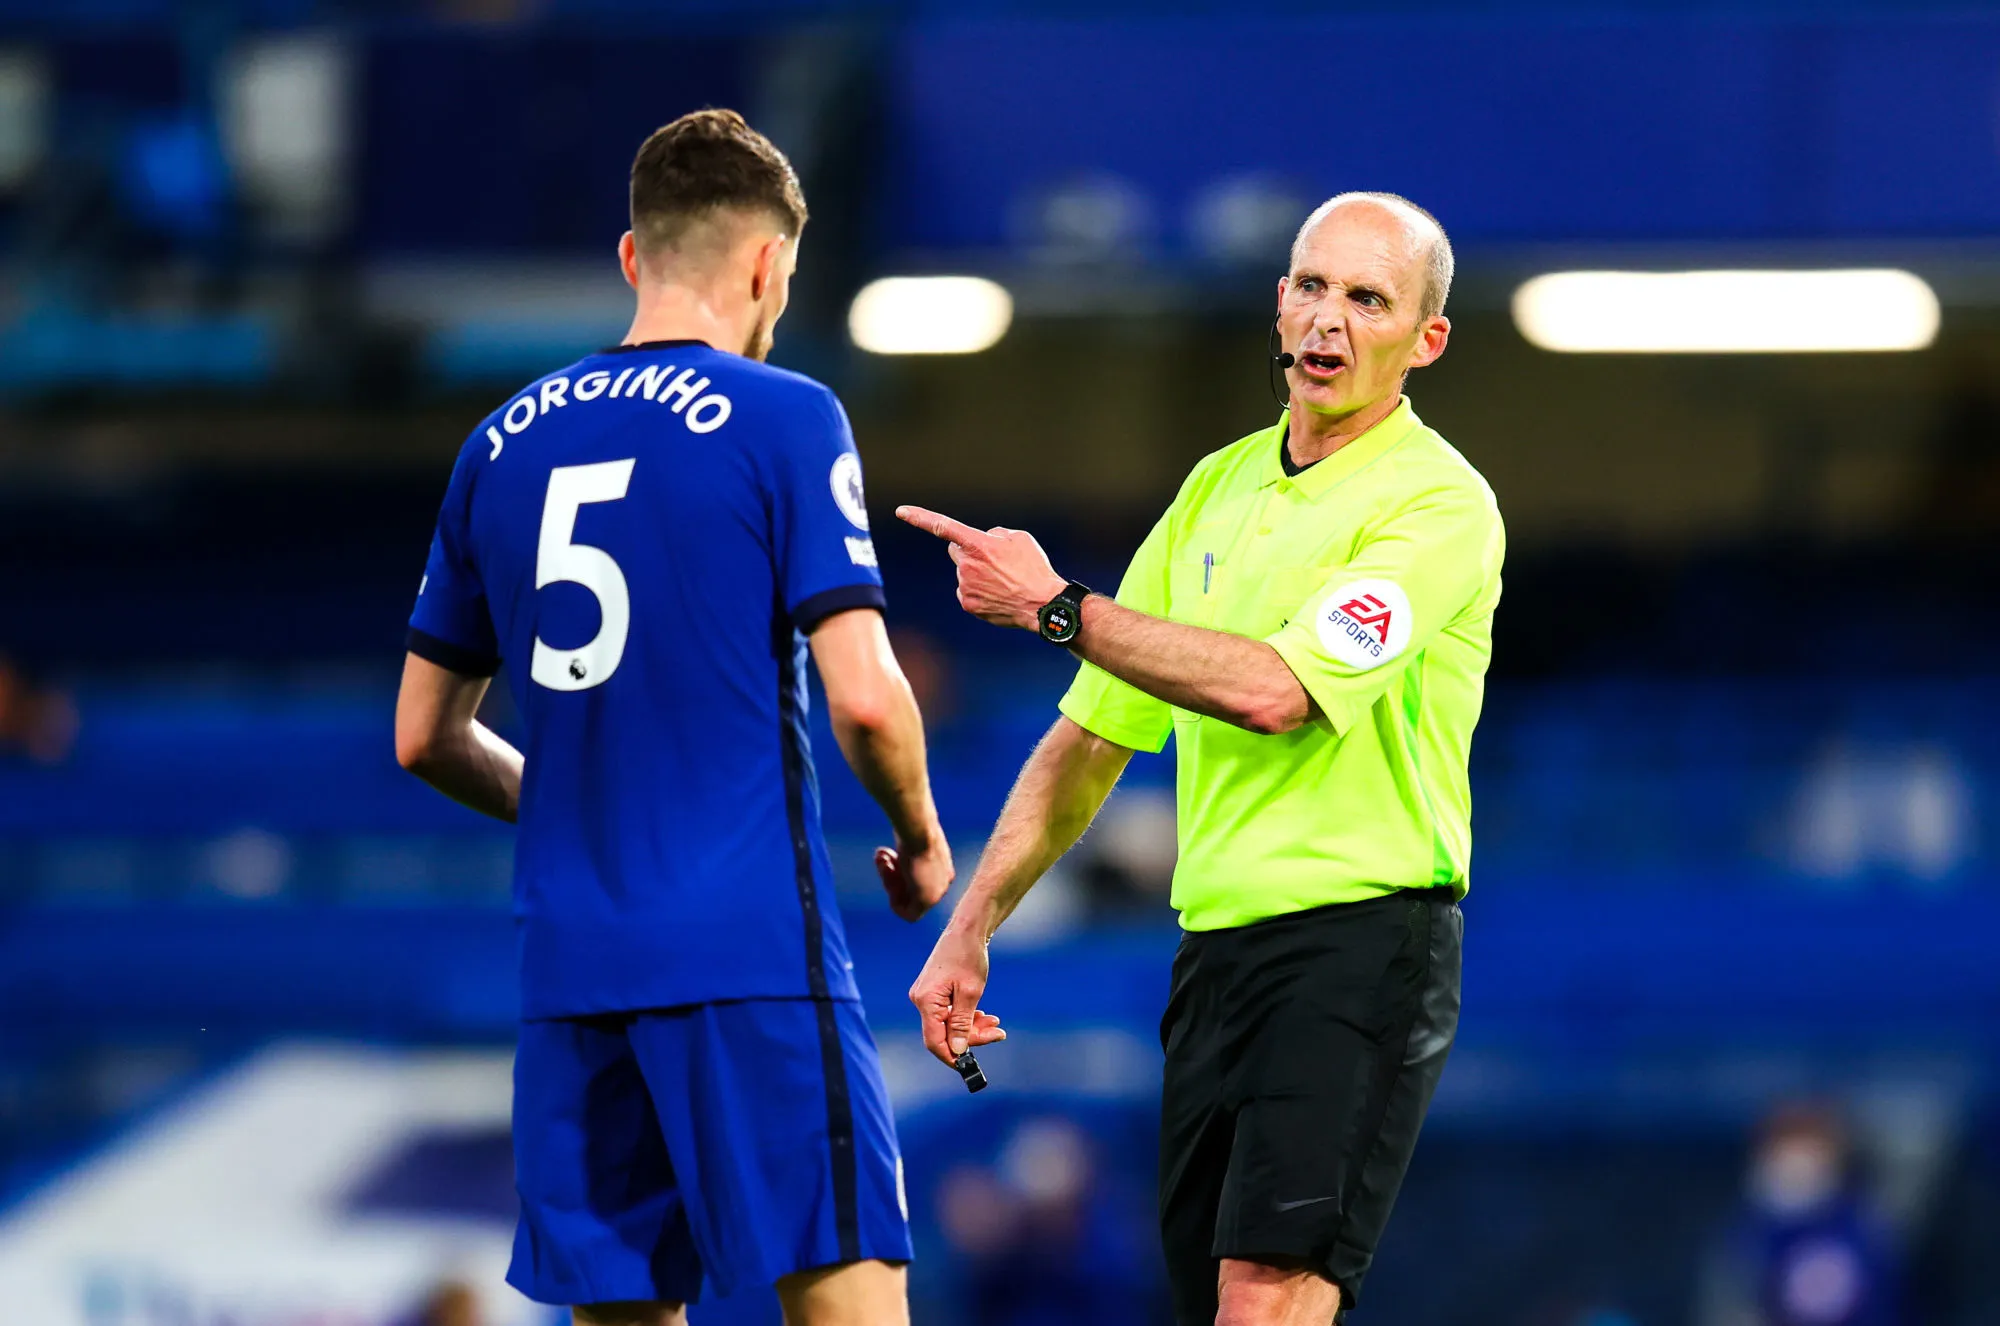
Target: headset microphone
x=1284 y=359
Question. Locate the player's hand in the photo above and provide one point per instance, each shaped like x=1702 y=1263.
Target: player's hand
x=915 y=876
x=1004 y=577
x=947 y=996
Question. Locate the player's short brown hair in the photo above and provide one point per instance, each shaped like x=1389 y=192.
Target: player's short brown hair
x=709 y=161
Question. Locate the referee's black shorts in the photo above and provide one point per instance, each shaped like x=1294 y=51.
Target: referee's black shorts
x=1301 y=1055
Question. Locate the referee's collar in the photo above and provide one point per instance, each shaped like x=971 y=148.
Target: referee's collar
x=1322 y=475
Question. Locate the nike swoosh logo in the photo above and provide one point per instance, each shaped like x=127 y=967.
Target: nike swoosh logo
x=1305 y=1201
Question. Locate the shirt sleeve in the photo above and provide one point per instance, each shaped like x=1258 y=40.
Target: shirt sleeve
x=1414 y=576
x=825 y=557
x=1099 y=702
x=451 y=625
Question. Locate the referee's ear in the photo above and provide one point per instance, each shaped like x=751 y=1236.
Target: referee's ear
x=1431 y=340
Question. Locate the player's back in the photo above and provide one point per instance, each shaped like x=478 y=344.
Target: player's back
x=639 y=538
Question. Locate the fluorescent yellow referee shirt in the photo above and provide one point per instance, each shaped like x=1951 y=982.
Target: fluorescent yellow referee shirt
x=1374 y=574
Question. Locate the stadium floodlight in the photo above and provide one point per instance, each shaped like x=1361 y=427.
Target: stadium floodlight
x=1727 y=312
x=929 y=315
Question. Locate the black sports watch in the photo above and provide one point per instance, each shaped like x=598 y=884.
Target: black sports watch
x=1062 y=616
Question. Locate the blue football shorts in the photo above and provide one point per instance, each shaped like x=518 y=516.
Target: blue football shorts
x=716 y=1145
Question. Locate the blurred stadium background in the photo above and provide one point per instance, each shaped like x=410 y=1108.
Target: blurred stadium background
x=1731 y=1049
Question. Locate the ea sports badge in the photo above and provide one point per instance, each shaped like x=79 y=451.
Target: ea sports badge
x=1365 y=623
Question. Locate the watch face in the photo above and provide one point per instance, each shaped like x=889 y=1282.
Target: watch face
x=1059 y=621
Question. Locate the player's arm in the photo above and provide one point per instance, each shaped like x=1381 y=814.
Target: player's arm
x=453 y=656
x=1059 y=792
x=881 y=732
x=831 y=585
x=1005 y=578
x=440 y=739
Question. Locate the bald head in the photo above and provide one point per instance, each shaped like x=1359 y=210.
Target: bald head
x=1428 y=242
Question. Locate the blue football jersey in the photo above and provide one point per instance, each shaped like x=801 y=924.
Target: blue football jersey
x=642 y=539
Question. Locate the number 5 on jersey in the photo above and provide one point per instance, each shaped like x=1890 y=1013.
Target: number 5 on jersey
x=558 y=557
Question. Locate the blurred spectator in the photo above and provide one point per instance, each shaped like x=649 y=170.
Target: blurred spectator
x=39 y=722
x=451 y=1303
x=1908 y=809
x=1044 y=1241
x=1129 y=854
x=1809 y=1248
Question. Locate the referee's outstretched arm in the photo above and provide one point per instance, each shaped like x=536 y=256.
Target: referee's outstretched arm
x=1005 y=578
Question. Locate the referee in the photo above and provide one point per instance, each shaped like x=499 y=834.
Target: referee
x=1312 y=618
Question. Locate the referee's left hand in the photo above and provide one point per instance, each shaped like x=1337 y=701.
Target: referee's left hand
x=1004 y=577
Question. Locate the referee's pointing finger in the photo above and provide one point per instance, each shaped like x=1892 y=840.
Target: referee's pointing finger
x=933 y=522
